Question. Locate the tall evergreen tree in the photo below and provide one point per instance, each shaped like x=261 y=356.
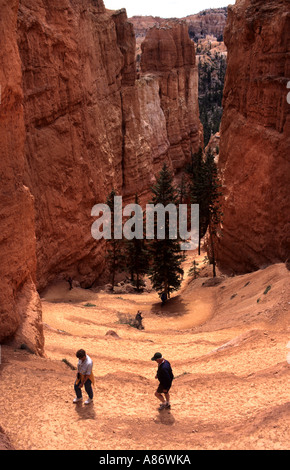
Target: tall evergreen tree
x=182 y=190
x=114 y=247
x=166 y=256
x=198 y=190
x=137 y=259
x=205 y=190
x=213 y=203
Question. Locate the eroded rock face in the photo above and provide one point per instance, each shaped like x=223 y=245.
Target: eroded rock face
x=18 y=296
x=207 y=22
x=76 y=123
x=73 y=114
x=169 y=54
x=91 y=127
x=255 y=130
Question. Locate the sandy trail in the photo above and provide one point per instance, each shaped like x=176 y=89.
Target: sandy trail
x=231 y=389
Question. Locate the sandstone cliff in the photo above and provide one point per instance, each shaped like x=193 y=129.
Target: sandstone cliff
x=206 y=22
x=73 y=112
x=254 y=147
x=169 y=54
x=75 y=123
x=89 y=125
x=19 y=301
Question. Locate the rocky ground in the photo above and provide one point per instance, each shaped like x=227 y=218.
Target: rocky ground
x=227 y=344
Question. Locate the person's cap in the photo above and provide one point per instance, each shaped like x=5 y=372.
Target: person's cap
x=157 y=355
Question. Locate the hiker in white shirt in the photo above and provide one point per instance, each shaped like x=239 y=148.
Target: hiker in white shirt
x=85 y=377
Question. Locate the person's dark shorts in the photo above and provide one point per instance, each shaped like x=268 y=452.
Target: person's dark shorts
x=161 y=389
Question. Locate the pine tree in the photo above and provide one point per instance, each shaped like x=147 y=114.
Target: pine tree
x=166 y=257
x=194 y=270
x=137 y=259
x=182 y=190
x=114 y=247
x=205 y=190
x=197 y=190
x=213 y=203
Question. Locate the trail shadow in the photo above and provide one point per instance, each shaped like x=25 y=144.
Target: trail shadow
x=9 y=354
x=165 y=417
x=85 y=411
x=174 y=307
x=59 y=293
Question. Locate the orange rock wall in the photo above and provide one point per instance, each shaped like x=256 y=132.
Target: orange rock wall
x=18 y=297
x=90 y=126
x=74 y=123
x=169 y=54
x=255 y=137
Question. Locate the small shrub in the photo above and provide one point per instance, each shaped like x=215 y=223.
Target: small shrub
x=69 y=364
x=267 y=290
x=127 y=319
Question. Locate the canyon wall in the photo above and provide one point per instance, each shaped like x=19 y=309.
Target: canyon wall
x=207 y=22
x=72 y=73
x=75 y=122
x=255 y=133
x=169 y=55
x=89 y=125
x=19 y=302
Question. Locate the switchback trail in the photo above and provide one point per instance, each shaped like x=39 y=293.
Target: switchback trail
x=228 y=354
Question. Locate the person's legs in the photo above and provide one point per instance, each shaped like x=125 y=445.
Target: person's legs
x=167 y=397
x=89 y=389
x=78 y=391
x=165 y=403
x=159 y=396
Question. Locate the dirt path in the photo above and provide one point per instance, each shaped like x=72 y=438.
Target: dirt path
x=231 y=389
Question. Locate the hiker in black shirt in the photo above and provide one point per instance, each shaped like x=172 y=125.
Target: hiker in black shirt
x=165 y=377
